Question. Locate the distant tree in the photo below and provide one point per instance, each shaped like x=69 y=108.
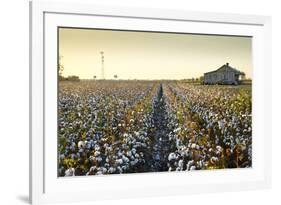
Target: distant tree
x=95 y=77
x=201 y=79
x=115 y=76
x=73 y=78
x=60 y=68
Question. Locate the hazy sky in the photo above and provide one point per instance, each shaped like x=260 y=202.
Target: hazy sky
x=147 y=55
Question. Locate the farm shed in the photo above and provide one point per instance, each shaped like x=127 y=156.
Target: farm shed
x=225 y=75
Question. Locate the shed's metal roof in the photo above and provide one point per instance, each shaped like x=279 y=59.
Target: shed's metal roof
x=225 y=68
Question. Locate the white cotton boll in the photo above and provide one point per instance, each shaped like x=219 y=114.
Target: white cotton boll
x=132 y=157
x=219 y=148
x=111 y=170
x=69 y=172
x=119 y=154
x=99 y=159
x=91 y=158
x=88 y=146
x=177 y=129
x=124 y=146
x=81 y=144
x=193 y=146
x=134 y=151
x=189 y=163
x=119 y=161
x=214 y=159
x=183 y=154
x=62 y=156
x=243 y=147
x=197 y=147
x=97 y=153
x=192 y=168
x=199 y=164
x=182 y=147
x=134 y=162
x=180 y=163
x=129 y=153
x=172 y=156
x=92 y=169
x=109 y=149
x=125 y=168
x=97 y=147
x=125 y=159
x=99 y=173
x=81 y=150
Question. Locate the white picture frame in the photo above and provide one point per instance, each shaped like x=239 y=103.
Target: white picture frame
x=46 y=187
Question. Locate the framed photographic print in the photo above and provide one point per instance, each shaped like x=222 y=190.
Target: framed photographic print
x=129 y=102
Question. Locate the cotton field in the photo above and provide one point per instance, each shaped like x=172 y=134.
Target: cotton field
x=118 y=127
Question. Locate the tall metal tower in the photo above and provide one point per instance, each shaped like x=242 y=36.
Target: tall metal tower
x=102 y=65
